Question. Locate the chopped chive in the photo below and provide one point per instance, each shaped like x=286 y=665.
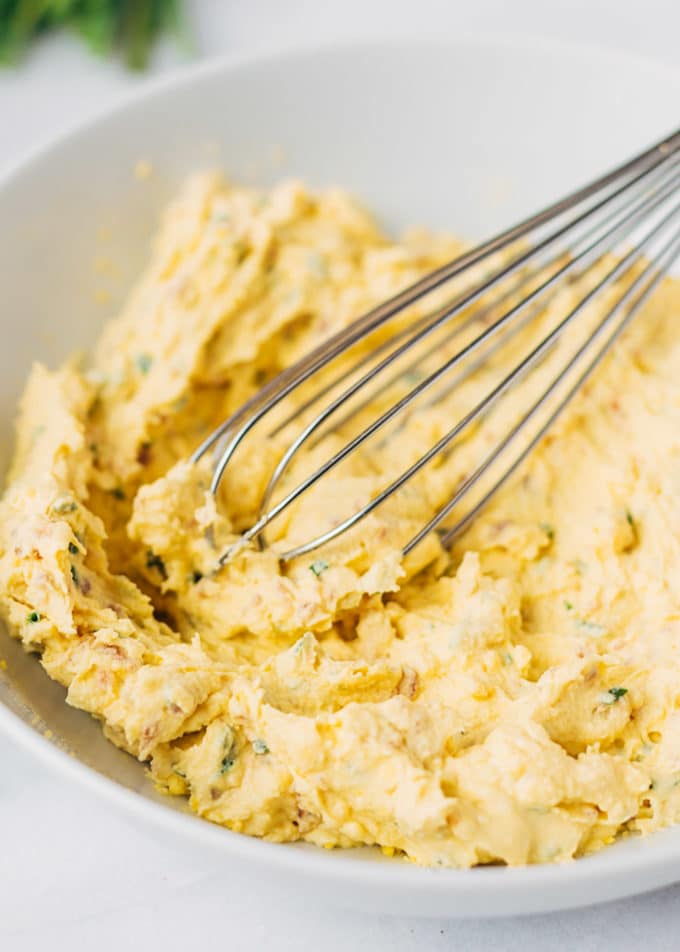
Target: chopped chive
x=616 y=694
x=568 y=606
x=229 y=755
x=143 y=362
x=73 y=548
x=549 y=530
x=589 y=625
x=154 y=561
x=64 y=505
x=318 y=567
x=260 y=747
x=75 y=576
x=33 y=617
x=117 y=493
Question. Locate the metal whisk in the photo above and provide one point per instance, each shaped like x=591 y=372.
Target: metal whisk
x=509 y=282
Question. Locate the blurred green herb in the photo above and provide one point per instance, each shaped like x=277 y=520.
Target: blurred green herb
x=128 y=26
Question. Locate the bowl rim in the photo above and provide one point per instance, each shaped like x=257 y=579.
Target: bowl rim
x=531 y=43
x=661 y=856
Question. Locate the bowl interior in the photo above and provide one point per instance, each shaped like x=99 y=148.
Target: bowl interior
x=466 y=137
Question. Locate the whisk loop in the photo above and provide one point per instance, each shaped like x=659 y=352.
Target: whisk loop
x=629 y=212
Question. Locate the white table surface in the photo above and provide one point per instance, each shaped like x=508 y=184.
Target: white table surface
x=74 y=874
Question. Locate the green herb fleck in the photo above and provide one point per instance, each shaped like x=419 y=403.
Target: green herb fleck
x=73 y=548
x=568 y=606
x=615 y=694
x=154 y=561
x=33 y=617
x=64 y=505
x=75 y=577
x=229 y=752
x=549 y=530
x=318 y=567
x=196 y=577
x=143 y=362
x=589 y=625
x=117 y=493
x=507 y=658
x=629 y=519
x=260 y=747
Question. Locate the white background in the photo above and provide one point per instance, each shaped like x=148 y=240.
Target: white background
x=74 y=875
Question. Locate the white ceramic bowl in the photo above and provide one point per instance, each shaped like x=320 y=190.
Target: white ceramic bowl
x=465 y=136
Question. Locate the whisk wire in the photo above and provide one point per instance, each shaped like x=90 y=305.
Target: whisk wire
x=517 y=373
x=643 y=207
x=290 y=379
x=599 y=217
x=670 y=254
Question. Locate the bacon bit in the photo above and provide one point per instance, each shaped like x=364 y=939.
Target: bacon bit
x=215 y=793
x=305 y=820
x=149 y=733
x=144 y=454
x=175 y=708
x=114 y=650
x=408 y=685
x=85 y=586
